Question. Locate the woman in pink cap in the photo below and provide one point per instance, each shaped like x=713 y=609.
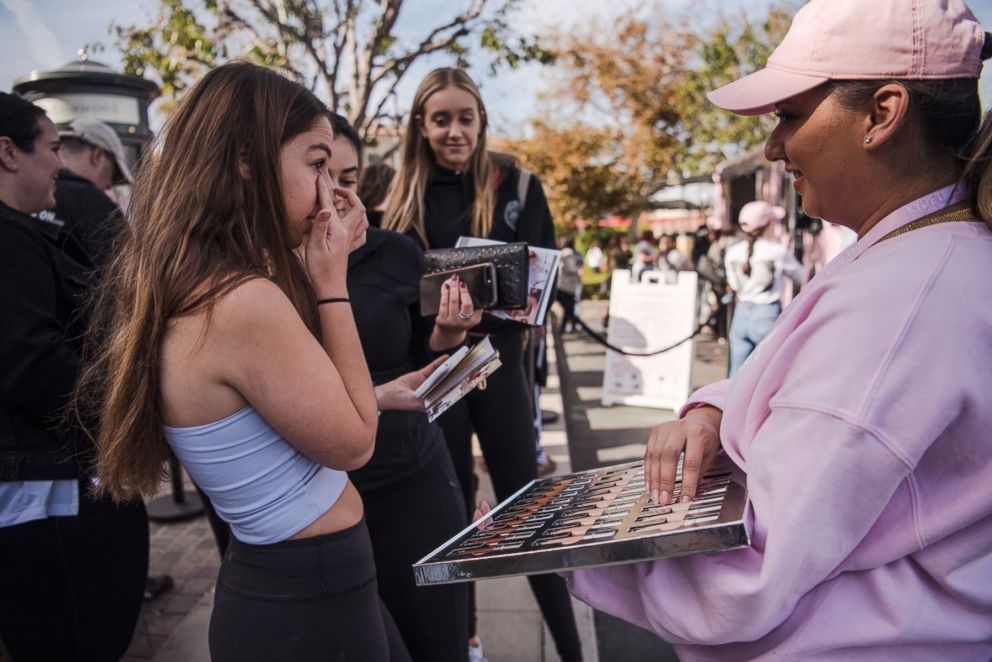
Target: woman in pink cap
x=861 y=424
x=754 y=269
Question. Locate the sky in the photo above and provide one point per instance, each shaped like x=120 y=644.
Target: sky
x=46 y=34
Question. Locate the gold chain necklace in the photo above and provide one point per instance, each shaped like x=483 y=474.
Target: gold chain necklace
x=959 y=212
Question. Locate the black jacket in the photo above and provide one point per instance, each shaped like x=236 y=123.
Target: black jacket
x=87 y=216
x=41 y=326
x=449 y=200
x=383 y=284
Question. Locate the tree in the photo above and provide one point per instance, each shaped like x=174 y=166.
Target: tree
x=347 y=49
x=631 y=116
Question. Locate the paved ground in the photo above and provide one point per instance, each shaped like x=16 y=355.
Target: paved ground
x=173 y=627
x=600 y=436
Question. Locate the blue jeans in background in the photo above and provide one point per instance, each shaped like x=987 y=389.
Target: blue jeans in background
x=751 y=324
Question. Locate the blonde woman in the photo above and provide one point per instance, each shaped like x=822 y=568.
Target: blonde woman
x=448 y=185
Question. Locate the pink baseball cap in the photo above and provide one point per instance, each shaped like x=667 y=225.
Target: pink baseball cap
x=861 y=39
x=757 y=215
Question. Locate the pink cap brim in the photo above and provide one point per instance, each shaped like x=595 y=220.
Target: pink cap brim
x=757 y=93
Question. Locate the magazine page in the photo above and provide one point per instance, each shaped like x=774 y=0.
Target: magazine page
x=540 y=282
x=435 y=409
x=481 y=353
x=441 y=372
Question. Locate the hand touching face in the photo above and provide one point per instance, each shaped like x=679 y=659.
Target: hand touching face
x=301 y=161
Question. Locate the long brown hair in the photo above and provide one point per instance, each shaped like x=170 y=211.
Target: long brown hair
x=206 y=214
x=405 y=204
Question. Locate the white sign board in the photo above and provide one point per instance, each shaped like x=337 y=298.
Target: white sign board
x=63 y=108
x=645 y=317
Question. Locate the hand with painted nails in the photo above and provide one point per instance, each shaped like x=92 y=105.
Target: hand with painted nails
x=329 y=241
x=456 y=315
x=697 y=436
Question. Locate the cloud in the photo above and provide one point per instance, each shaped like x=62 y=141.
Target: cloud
x=41 y=41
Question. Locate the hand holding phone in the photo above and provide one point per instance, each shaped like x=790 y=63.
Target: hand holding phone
x=479 y=280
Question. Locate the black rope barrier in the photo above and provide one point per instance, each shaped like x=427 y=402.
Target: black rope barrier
x=602 y=340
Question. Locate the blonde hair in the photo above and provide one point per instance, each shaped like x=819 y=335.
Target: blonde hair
x=198 y=229
x=405 y=203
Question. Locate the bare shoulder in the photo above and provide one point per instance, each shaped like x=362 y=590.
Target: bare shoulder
x=252 y=299
x=255 y=307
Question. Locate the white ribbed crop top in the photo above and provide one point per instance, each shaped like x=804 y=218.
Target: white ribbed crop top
x=261 y=485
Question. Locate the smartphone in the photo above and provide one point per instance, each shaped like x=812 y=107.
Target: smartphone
x=479 y=278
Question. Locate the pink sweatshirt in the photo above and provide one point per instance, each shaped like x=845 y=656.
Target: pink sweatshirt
x=864 y=425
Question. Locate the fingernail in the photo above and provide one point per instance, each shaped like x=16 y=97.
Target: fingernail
x=686 y=498
x=665 y=496
x=654 y=495
x=454 y=277
x=461 y=285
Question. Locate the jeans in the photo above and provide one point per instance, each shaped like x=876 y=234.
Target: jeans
x=752 y=322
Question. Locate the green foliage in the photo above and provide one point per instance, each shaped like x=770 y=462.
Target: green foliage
x=632 y=114
x=592 y=283
x=177 y=46
x=318 y=43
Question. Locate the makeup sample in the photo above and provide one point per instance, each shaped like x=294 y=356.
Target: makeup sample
x=592 y=518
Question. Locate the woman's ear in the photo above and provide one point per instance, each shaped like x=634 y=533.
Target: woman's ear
x=421 y=125
x=243 y=168
x=887 y=114
x=8 y=154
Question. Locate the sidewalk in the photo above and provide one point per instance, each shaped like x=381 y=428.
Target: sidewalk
x=600 y=436
x=173 y=627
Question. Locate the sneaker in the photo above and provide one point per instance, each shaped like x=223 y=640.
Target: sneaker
x=545 y=465
x=475 y=652
x=156 y=585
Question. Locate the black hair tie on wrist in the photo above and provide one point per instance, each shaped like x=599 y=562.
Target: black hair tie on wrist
x=334 y=300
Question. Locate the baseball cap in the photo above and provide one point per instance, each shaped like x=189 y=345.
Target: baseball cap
x=861 y=39
x=100 y=135
x=757 y=215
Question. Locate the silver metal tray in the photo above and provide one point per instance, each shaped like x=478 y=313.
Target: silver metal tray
x=592 y=518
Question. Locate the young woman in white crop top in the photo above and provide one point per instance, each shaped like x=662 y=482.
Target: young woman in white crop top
x=218 y=339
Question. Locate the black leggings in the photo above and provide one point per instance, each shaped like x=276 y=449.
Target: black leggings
x=502 y=417
x=301 y=600
x=407 y=520
x=71 y=587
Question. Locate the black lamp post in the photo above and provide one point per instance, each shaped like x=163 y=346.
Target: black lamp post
x=89 y=89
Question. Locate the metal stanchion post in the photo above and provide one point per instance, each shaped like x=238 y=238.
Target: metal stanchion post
x=179 y=506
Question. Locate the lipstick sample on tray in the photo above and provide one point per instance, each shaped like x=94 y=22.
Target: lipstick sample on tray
x=592 y=518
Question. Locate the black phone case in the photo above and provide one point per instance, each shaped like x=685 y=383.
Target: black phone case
x=479 y=278
x=511 y=262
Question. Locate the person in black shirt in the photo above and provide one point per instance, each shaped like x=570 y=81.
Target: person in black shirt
x=412 y=498
x=72 y=564
x=94 y=161
x=448 y=185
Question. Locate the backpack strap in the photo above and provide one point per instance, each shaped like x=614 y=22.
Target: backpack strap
x=523 y=183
